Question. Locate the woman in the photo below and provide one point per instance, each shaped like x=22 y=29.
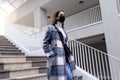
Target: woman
x=58 y=67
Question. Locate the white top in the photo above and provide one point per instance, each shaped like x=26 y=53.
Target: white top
x=62 y=31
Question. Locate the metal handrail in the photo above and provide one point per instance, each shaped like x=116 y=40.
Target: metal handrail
x=98 y=63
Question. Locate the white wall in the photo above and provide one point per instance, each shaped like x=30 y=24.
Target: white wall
x=2 y=25
x=32 y=6
x=110 y=26
x=30 y=44
x=40 y=18
x=22 y=11
x=27 y=20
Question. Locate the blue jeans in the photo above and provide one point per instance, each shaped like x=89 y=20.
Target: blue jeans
x=68 y=72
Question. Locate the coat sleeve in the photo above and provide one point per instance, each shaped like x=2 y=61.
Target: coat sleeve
x=46 y=43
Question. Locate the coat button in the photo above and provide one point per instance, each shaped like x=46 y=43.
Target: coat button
x=55 y=44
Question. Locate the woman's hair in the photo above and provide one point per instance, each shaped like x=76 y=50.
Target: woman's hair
x=55 y=18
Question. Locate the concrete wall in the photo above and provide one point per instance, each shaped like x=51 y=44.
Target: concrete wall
x=32 y=6
x=30 y=44
x=27 y=20
x=110 y=26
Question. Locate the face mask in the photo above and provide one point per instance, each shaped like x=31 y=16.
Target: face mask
x=62 y=19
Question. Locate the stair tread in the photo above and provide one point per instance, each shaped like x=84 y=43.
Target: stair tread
x=29 y=76
x=16 y=53
x=4 y=39
x=11 y=56
x=5 y=42
x=23 y=62
x=32 y=68
x=37 y=56
x=7 y=45
x=10 y=52
x=3 y=49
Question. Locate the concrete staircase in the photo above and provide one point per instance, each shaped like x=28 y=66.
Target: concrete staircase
x=14 y=65
x=22 y=68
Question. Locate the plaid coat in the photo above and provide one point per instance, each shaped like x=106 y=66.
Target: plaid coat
x=52 y=45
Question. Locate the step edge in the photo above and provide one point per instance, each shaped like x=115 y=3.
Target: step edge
x=23 y=62
x=29 y=76
x=32 y=68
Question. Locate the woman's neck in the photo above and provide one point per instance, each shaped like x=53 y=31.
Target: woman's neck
x=59 y=24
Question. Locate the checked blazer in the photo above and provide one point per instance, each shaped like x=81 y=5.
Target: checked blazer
x=52 y=45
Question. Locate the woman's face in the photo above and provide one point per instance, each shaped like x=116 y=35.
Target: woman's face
x=60 y=14
x=61 y=17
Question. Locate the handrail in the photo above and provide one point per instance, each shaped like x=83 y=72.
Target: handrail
x=96 y=49
x=85 y=18
x=94 y=61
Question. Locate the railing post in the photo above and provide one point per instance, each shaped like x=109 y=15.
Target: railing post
x=95 y=61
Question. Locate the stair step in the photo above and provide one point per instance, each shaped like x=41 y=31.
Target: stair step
x=2 y=36
x=22 y=65
x=31 y=77
x=12 y=53
x=21 y=72
x=13 y=58
x=10 y=44
x=5 y=42
x=6 y=51
x=21 y=58
x=8 y=47
x=3 y=39
x=36 y=58
x=35 y=77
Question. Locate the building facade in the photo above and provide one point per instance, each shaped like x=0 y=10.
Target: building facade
x=92 y=25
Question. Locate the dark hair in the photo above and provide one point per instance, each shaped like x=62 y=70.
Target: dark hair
x=55 y=16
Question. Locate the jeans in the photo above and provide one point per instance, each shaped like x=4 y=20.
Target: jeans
x=68 y=72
